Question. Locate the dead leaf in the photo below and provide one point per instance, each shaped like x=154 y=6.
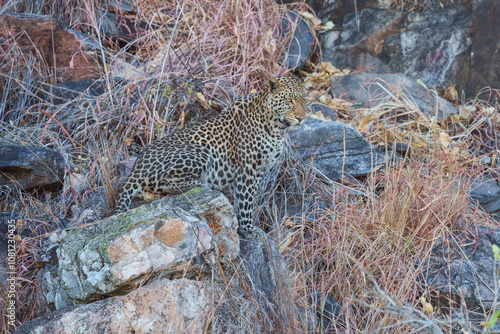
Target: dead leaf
x=444 y=139
x=327 y=26
x=365 y=122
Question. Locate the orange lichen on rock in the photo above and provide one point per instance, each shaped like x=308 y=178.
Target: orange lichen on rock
x=172 y=233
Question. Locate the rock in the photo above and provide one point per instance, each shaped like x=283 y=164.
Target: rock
x=30 y=167
x=70 y=90
x=328 y=310
x=119 y=28
x=326 y=111
x=463 y=264
x=213 y=208
x=68 y=53
x=181 y=305
x=116 y=255
x=486 y=190
x=334 y=147
x=361 y=39
x=456 y=44
x=433 y=46
x=301 y=44
x=267 y=274
x=336 y=10
x=137 y=270
x=370 y=90
x=485 y=55
x=122 y=6
x=308 y=316
x=94 y=206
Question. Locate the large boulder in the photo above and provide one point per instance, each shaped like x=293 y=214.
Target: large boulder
x=433 y=45
x=30 y=167
x=163 y=265
x=161 y=306
x=70 y=54
x=157 y=240
x=334 y=148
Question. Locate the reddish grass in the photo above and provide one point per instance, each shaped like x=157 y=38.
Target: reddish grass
x=384 y=233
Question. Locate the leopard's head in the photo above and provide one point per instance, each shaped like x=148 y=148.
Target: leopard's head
x=286 y=100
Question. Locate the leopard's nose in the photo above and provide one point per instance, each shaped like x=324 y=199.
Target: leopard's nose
x=300 y=119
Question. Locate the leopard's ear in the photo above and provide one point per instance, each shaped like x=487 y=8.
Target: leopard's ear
x=274 y=85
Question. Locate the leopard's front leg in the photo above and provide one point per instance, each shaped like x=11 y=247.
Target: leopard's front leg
x=245 y=187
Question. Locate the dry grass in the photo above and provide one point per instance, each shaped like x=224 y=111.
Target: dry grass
x=361 y=243
x=383 y=233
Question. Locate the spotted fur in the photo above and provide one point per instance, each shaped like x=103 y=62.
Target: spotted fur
x=235 y=147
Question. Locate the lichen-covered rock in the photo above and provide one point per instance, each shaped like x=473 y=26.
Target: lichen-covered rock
x=163 y=306
x=213 y=208
x=114 y=256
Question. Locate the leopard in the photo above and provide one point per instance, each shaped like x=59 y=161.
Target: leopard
x=233 y=148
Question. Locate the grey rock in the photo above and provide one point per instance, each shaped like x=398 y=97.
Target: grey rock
x=94 y=206
x=463 y=266
x=370 y=90
x=492 y=206
x=333 y=147
x=122 y=6
x=30 y=167
x=485 y=56
x=70 y=90
x=267 y=274
x=308 y=316
x=433 y=45
x=118 y=27
x=361 y=39
x=324 y=109
x=301 y=43
x=328 y=311
x=486 y=190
